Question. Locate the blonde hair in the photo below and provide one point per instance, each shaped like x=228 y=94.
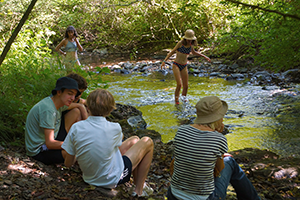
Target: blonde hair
x=213 y=125
x=100 y=102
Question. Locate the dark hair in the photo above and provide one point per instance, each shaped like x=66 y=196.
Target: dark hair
x=71 y=28
x=194 y=42
x=82 y=84
x=54 y=92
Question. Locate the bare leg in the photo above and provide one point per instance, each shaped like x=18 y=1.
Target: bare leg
x=127 y=144
x=140 y=155
x=71 y=117
x=185 y=78
x=177 y=76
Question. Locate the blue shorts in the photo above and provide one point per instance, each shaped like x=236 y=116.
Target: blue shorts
x=125 y=177
x=180 y=66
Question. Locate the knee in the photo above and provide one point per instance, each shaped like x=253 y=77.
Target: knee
x=134 y=139
x=148 y=141
x=76 y=111
x=231 y=162
x=179 y=84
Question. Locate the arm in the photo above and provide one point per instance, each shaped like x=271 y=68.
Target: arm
x=171 y=53
x=200 y=54
x=69 y=159
x=78 y=44
x=57 y=48
x=81 y=107
x=50 y=142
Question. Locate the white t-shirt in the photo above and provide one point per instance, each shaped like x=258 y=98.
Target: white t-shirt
x=95 y=143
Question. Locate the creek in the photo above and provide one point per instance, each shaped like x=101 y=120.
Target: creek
x=263 y=117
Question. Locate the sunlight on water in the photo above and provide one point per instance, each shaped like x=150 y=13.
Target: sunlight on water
x=249 y=119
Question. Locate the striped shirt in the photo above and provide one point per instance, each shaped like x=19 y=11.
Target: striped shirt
x=195 y=154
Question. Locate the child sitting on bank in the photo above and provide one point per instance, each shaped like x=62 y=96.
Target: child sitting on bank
x=74 y=115
x=97 y=145
x=43 y=132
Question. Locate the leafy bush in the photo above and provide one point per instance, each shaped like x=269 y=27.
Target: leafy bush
x=28 y=74
x=270 y=38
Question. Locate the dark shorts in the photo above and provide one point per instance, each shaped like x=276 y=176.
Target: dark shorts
x=180 y=66
x=127 y=171
x=54 y=156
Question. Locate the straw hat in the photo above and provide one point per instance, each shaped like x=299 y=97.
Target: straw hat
x=189 y=35
x=210 y=109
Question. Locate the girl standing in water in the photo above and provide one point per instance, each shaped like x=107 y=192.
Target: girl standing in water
x=183 y=48
x=71 y=44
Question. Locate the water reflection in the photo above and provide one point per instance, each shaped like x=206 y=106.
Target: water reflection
x=252 y=118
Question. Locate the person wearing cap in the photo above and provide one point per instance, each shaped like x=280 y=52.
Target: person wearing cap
x=69 y=116
x=103 y=158
x=43 y=136
x=198 y=147
x=182 y=49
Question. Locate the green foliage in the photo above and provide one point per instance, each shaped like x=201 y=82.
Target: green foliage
x=30 y=69
x=28 y=74
x=268 y=37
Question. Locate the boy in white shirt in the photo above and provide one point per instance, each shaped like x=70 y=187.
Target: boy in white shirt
x=104 y=159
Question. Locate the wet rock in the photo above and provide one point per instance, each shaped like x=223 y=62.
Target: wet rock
x=127 y=65
x=236 y=77
x=154 y=135
x=124 y=71
x=123 y=112
x=242 y=70
x=292 y=75
x=214 y=74
x=137 y=122
x=234 y=66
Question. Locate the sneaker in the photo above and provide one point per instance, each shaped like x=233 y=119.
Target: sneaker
x=147 y=189
x=144 y=194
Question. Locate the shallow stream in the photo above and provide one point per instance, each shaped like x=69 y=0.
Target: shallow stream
x=257 y=117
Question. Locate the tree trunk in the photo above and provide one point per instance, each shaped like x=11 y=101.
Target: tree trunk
x=17 y=30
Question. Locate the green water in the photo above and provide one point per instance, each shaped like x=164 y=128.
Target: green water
x=257 y=127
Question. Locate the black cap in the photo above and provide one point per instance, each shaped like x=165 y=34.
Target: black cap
x=67 y=83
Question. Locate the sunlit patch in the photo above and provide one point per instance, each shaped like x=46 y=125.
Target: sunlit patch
x=25 y=170
x=172 y=88
x=290 y=172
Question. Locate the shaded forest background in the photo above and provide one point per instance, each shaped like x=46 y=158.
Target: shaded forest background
x=263 y=31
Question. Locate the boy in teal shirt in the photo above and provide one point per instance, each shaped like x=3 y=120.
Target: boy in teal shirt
x=43 y=122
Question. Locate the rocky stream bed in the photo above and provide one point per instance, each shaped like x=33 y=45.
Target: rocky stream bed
x=21 y=177
x=274 y=178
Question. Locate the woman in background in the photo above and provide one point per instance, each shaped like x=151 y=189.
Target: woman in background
x=71 y=44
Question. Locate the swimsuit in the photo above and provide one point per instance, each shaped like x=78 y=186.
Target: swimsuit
x=180 y=66
x=71 y=46
x=185 y=50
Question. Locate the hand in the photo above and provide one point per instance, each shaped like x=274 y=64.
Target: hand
x=227 y=155
x=162 y=65
x=208 y=59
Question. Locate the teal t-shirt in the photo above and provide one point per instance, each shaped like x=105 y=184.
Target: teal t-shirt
x=42 y=115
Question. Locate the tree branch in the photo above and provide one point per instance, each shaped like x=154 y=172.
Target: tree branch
x=264 y=9
x=17 y=30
